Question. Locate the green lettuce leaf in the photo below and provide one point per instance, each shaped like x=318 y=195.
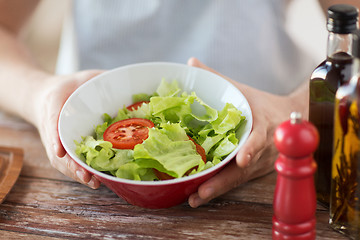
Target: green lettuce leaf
x=229 y=118
x=100 y=155
x=133 y=171
x=141 y=97
x=166 y=89
x=226 y=146
x=142 y=111
x=168 y=150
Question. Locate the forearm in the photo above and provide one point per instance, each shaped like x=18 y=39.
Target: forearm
x=20 y=77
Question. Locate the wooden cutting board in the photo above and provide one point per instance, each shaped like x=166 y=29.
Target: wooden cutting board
x=11 y=162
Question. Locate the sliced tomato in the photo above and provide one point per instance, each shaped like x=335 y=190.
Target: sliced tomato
x=136 y=105
x=125 y=134
x=199 y=149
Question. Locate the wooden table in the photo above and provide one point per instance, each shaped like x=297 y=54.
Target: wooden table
x=44 y=204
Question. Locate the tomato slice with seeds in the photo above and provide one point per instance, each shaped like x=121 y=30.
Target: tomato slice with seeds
x=127 y=133
x=199 y=149
x=136 y=105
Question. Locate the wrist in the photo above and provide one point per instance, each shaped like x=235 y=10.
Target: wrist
x=33 y=97
x=300 y=100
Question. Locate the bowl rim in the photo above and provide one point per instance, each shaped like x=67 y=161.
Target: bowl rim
x=162 y=182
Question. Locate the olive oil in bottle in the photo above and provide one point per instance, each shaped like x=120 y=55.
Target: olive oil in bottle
x=324 y=81
x=345 y=192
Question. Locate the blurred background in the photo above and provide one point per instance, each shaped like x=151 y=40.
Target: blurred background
x=305 y=22
x=42 y=34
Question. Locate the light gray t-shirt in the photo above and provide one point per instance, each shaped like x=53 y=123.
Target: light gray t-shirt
x=243 y=39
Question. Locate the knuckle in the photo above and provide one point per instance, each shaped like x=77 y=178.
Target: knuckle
x=241 y=178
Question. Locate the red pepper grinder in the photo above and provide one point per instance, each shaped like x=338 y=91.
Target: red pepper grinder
x=295 y=197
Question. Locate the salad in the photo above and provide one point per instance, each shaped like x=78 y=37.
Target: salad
x=168 y=134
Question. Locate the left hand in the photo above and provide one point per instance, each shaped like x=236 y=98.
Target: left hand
x=257 y=156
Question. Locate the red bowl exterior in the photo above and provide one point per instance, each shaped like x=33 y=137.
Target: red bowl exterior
x=156 y=196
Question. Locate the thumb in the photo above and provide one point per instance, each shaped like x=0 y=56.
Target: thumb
x=194 y=62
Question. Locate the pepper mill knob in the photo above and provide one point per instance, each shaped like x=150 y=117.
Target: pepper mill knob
x=295 y=197
x=296 y=137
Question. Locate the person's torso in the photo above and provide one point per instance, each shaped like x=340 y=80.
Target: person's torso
x=245 y=40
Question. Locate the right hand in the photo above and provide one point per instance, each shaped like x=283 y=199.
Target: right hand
x=258 y=154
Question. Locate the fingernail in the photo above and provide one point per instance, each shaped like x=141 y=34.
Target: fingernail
x=195 y=202
x=91 y=183
x=81 y=175
x=59 y=151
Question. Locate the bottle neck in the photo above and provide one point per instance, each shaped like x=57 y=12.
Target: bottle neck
x=339 y=43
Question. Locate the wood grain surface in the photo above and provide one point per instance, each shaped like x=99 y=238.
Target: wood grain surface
x=11 y=161
x=44 y=204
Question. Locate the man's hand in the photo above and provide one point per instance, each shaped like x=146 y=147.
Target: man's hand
x=52 y=96
x=257 y=156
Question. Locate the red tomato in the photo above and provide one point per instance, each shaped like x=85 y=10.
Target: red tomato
x=125 y=134
x=199 y=149
x=136 y=105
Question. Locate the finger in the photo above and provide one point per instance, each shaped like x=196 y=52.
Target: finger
x=66 y=165
x=252 y=147
x=231 y=176
x=194 y=62
x=86 y=178
x=58 y=147
x=86 y=75
x=70 y=168
x=80 y=78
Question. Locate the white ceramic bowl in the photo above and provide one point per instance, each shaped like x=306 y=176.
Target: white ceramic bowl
x=110 y=91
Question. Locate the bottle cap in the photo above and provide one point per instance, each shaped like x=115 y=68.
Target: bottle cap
x=342 y=18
